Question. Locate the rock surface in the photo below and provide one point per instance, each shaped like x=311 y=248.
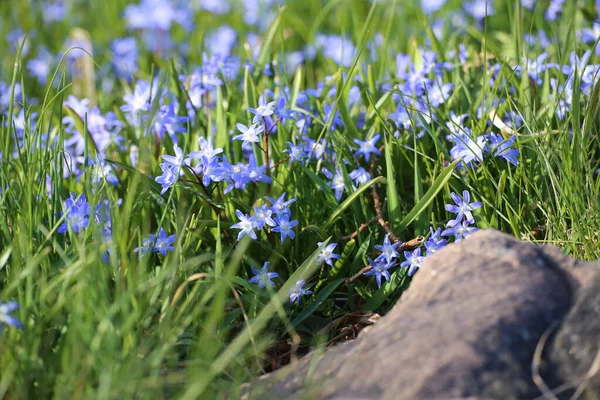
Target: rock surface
x=468 y=327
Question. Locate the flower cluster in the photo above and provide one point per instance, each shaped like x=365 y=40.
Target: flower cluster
x=459 y=227
x=277 y=217
x=160 y=243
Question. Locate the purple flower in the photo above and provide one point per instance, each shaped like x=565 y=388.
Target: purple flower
x=210 y=170
x=435 y=242
x=5 y=310
x=101 y=170
x=466 y=148
x=221 y=41
x=264 y=109
x=327 y=255
x=337 y=184
x=591 y=35
x=462 y=208
x=125 y=55
x=413 y=261
x=40 y=66
x=284 y=227
x=246 y=225
x=167 y=121
x=164 y=243
x=460 y=232
x=262 y=216
x=296 y=152
x=147 y=245
x=297 y=291
x=280 y=206
x=479 y=9
x=388 y=250
x=359 y=176
x=263 y=277
x=431 y=6
x=206 y=149
x=77 y=214
x=503 y=148
x=168 y=177
x=380 y=269
x=176 y=162
x=249 y=133
x=283 y=113
x=554 y=9
x=367 y=147
x=438 y=92
x=141 y=99
x=156 y=15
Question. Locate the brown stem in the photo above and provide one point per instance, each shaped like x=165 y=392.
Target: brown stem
x=281 y=162
x=378 y=211
x=361 y=228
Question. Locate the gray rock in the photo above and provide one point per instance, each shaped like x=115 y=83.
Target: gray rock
x=575 y=350
x=467 y=327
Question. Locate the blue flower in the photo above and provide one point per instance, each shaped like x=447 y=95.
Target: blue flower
x=125 y=55
x=77 y=214
x=5 y=310
x=141 y=99
x=554 y=9
x=283 y=113
x=221 y=41
x=298 y=291
x=359 y=176
x=337 y=184
x=296 y=152
x=503 y=148
x=262 y=216
x=176 y=162
x=431 y=6
x=460 y=232
x=367 y=147
x=263 y=277
x=462 y=208
x=168 y=177
x=167 y=121
x=164 y=243
x=206 y=149
x=147 y=245
x=438 y=92
x=380 y=269
x=249 y=133
x=466 y=148
x=210 y=170
x=264 y=109
x=157 y=15
x=327 y=255
x=246 y=225
x=39 y=67
x=280 y=205
x=435 y=242
x=388 y=250
x=413 y=261
x=479 y=9
x=284 y=227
